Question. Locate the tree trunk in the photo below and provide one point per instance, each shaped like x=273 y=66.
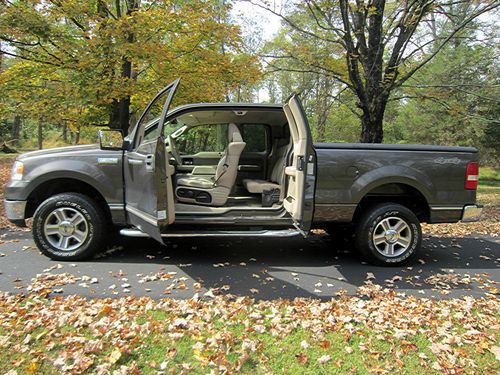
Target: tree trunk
x=40 y=135
x=124 y=103
x=372 y=122
x=65 y=133
x=77 y=135
x=16 y=130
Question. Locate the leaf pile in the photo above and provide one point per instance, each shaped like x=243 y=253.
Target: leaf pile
x=376 y=331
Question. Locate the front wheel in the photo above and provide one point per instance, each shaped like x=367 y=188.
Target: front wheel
x=69 y=226
x=388 y=234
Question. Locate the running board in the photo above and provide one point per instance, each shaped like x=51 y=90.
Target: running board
x=215 y=233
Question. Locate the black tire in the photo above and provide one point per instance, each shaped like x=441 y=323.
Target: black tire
x=94 y=224
x=372 y=227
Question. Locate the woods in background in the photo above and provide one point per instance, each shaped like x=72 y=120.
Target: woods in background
x=423 y=71
x=402 y=71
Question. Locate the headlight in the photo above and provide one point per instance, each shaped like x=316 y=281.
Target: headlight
x=17 y=171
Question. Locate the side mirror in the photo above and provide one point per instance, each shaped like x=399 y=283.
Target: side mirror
x=110 y=139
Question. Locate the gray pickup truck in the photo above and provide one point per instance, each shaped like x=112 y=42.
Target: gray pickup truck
x=224 y=169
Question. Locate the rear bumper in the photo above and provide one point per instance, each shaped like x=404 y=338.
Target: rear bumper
x=14 y=210
x=472 y=212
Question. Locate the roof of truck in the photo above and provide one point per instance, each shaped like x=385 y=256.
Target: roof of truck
x=227 y=105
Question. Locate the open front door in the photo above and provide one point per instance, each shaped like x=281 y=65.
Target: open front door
x=149 y=199
x=301 y=172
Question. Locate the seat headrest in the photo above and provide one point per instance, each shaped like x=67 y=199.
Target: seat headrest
x=233 y=133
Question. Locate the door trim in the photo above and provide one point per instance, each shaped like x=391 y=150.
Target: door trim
x=143 y=215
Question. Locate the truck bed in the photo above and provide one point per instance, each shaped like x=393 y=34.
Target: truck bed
x=429 y=176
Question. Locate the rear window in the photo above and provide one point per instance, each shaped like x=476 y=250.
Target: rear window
x=255 y=137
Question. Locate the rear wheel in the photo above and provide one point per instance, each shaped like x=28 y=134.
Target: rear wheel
x=388 y=234
x=69 y=226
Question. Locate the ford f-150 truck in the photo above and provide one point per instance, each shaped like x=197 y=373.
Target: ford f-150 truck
x=225 y=169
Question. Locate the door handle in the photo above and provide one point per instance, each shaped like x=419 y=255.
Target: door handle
x=150 y=162
x=135 y=161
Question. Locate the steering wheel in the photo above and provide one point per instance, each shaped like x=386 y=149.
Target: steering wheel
x=172 y=149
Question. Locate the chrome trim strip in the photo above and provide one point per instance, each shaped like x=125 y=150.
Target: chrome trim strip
x=446 y=208
x=135 y=161
x=116 y=206
x=262 y=233
x=107 y=161
x=142 y=215
x=14 y=210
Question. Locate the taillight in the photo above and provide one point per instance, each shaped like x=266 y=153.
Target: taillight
x=472 y=175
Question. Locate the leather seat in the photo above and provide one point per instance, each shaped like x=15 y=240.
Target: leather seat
x=204 y=182
x=276 y=179
x=214 y=191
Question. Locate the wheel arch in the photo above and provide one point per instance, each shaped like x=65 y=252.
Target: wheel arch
x=395 y=192
x=59 y=185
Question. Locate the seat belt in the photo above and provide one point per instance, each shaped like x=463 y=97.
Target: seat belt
x=225 y=167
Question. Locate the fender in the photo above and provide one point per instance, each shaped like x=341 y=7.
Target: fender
x=391 y=174
x=81 y=170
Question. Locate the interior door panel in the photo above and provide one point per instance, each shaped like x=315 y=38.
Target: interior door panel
x=149 y=198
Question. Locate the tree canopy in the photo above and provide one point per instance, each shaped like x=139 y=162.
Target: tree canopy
x=368 y=48
x=422 y=71
x=100 y=61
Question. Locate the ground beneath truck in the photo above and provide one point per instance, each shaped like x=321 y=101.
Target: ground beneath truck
x=260 y=268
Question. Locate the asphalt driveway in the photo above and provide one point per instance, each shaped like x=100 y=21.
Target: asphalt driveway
x=260 y=268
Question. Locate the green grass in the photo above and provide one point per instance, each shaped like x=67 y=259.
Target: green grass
x=488 y=192
x=371 y=351
x=7 y=156
x=489 y=174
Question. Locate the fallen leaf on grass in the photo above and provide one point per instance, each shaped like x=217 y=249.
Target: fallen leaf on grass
x=302 y=358
x=324 y=359
x=114 y=356
x=496 y=351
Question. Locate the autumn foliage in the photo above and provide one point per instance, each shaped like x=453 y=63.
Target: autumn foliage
x=98 y=62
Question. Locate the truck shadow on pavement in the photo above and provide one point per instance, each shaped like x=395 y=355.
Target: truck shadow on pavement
x=316 y=267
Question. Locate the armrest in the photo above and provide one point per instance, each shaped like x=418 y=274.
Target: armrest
x=204 y=170
x=290 y=171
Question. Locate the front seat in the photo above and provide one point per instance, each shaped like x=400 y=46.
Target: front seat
x=214 y=190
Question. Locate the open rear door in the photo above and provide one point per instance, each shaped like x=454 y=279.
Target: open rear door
x=149 y=195
x=301 y=172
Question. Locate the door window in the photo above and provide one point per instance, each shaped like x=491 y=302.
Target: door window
x=205 y=138
x=152 y=113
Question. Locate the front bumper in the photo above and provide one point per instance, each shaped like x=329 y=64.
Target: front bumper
x=472 y=212
x=14 y=210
